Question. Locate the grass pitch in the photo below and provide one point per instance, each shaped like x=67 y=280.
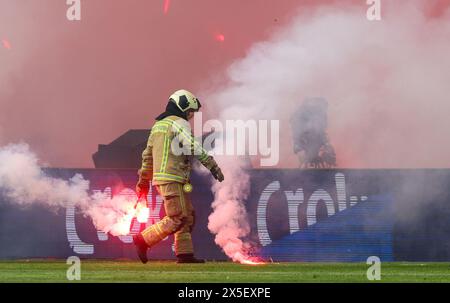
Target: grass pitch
x=167 y=272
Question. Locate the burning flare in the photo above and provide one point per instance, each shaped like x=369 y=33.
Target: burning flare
x=142 y=213
x=248 y=260
x=24 y=183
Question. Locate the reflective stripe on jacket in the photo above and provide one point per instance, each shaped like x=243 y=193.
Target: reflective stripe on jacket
x=163 y=161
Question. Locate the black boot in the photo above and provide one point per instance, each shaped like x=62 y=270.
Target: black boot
x=141 y=247
x=188 y=258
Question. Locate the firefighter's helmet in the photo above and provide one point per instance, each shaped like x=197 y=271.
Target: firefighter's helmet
x=185 y=100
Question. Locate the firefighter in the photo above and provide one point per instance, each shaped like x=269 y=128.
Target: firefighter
x=169 y=171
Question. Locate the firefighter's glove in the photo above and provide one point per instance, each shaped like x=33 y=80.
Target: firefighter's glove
x=142 y=188
x=217 y=173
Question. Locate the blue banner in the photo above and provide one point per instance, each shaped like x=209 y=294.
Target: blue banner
x=295 y=215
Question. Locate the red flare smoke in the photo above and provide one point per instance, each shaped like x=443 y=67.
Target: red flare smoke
x=166 y=6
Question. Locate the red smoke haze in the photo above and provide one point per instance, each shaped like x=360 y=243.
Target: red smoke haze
x=68 y=86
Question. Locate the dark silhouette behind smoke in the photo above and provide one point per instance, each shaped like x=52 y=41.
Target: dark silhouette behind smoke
x=309 y=125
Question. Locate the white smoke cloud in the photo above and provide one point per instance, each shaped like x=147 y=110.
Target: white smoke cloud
x=23 y=182
x=386 y=84
x=229 y=220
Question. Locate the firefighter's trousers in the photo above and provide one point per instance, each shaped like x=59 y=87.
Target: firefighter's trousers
x=179 y=219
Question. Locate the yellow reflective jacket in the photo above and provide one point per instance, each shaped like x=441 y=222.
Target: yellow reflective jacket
x=162 y=161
